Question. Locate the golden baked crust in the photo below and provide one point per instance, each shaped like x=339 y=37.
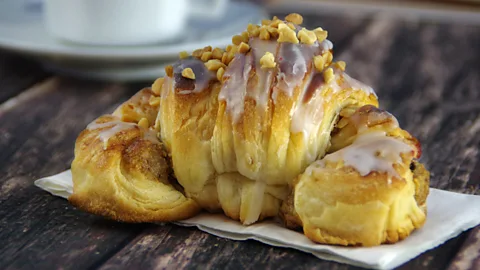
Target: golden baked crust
x=267 y=126
x=337 y=202
x=121 y=171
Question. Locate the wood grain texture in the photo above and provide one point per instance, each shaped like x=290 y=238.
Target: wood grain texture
x=426 y=74
x=469 y=255
x=16 y=74
x=37 y=138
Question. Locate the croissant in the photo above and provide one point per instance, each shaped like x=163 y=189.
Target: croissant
x=265 y=127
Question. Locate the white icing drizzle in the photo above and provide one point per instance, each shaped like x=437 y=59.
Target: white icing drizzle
x=112 y=128
x=202 y=75
x=348 y=82
x=307 y=116
x=293 y=61
x=234 y=89
x=373 y=151
x=260 y=93
x=372 y=118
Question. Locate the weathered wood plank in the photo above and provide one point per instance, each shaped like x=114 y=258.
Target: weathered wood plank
x=175 y=247
x=469 y=255
x=37 y=138
x=16 y=74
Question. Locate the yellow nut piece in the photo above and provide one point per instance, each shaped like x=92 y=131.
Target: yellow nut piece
x=217 y=53
x=275 y=23
x=253 y=30
x=306 y=36
x=188 y=73
x=154 y=101
x=328 y=75
x=207 y=49
x=286 y=34
x=183 y=55
x=264 y=34
x=268 y=60
x=224 y=57
x=169 y=70
x=197 y=53
x=291 y=26
x=266 y=22
x=206 y=56
x=318 y=62
x=230 y=57
x=237 y=39
x=341 y=65
x=327 y=57
x=143 y=123
x=220 y=73
x=243 y=47
x=321 y=34
x=245 y=37
x=214 y=64
x=157 y=86
x=294 y=18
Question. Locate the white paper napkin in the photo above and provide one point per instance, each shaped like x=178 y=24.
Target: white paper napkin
x=449 y=214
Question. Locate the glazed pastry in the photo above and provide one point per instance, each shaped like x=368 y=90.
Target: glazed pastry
x=369 y=190
x=121 y=171
x=228 y=130
x=259 y=123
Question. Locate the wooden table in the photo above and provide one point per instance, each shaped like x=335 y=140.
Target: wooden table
x=425 y=73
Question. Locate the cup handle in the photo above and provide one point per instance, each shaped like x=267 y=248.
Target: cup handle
x=210 y=8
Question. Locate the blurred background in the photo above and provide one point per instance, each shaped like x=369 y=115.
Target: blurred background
x=65 y=37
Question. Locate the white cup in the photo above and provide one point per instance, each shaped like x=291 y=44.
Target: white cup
x=124 y=22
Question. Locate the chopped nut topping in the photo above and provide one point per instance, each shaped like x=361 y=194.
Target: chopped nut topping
x=188 y=73
x=291 y=26
x=286 y=34
x=294 y=18
x=157 y=86
x=306 y=36
x=318 y=62
x=230 y=57
x=266 y=22
x=237 y=39
x=143 y=123
x=328 y=75
x=217 y=53
x=264 y=34
x=183 y=55
x=206 y=56
x=275 y=23
x=220 y=73
x=327 y=57
x=207 y=49
x=214 y=64
x=243 y=47
x=229 y=47
x=273 y=31
x=197 y=53
x=267 y=60
x=321 y=34
x=253 y=30
x=341 y=65
x=224 y=58
x=234 y=49
x=245 y=36
x=169 y=70
x=154 y=101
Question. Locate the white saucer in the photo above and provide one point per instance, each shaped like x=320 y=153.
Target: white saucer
x=22 y=30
